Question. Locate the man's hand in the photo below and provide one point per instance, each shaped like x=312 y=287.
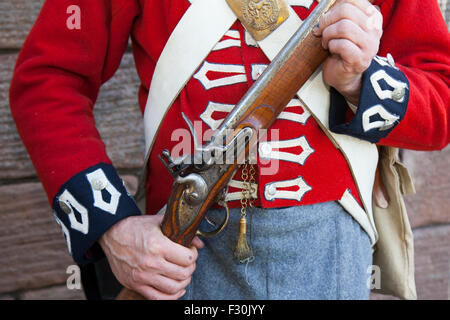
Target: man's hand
x=351 y=31
x=146 y=261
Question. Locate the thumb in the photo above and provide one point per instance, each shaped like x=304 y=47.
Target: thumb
x=155 y=219
x=159 y=218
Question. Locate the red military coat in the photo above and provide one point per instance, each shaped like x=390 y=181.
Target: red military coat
x=60 y=70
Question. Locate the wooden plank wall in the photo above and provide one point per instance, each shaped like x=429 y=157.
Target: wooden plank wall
x=33 y=257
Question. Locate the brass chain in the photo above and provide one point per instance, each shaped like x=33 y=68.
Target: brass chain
x=251 y=184
x=245 y=190
x=248 y=178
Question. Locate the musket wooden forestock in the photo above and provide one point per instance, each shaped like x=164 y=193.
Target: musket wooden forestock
x=293 y=68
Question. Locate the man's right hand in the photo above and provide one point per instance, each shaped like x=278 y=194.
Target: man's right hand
x=146 y=261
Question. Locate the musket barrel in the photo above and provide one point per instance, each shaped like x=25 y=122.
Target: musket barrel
x=301 y=45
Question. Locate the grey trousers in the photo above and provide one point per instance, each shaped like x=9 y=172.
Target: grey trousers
x=305 y=252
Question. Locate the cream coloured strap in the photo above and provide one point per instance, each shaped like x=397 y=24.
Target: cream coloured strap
x=361 y=156
x=195 y=35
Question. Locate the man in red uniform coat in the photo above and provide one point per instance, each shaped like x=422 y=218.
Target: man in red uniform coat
x=60 y=71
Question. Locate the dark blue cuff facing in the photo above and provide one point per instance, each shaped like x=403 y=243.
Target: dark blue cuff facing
x=88 y=205
x=382 y=104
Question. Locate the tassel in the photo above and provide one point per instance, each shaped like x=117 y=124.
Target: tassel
x=243 y=253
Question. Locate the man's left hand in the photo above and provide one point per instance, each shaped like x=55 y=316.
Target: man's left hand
x=351 y=31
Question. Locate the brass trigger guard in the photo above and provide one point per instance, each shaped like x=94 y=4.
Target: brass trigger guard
x=214 y=233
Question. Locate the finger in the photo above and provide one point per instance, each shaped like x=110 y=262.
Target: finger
x=154 y=294
x=374 y=17
x=351 y=10
x=347 y=50
x=198 y=243
x=163 y=283
x=351 y=55
x=163 y=267
x=345 y=11
x=177 y=272
x=363 y=5
x=179 y=254
x=345 y=29
x=158 y=218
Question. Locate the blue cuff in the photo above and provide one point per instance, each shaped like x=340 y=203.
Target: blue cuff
x=382 y=104
x=87 y=206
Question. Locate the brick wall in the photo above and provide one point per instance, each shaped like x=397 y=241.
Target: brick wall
x=33 y=256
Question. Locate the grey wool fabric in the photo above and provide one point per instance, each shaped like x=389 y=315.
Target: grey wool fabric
x=304 y=252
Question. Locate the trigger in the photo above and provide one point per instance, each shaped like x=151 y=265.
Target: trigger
x=220 y=228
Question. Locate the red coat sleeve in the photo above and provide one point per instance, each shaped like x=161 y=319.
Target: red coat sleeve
x=56 y=82
x=416 y=35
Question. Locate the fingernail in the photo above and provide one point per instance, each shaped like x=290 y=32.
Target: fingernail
x=315 y=30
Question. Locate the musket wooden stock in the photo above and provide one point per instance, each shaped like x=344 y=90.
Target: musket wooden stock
x=283 y=86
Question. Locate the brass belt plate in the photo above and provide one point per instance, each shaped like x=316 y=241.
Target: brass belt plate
x=260 y=17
